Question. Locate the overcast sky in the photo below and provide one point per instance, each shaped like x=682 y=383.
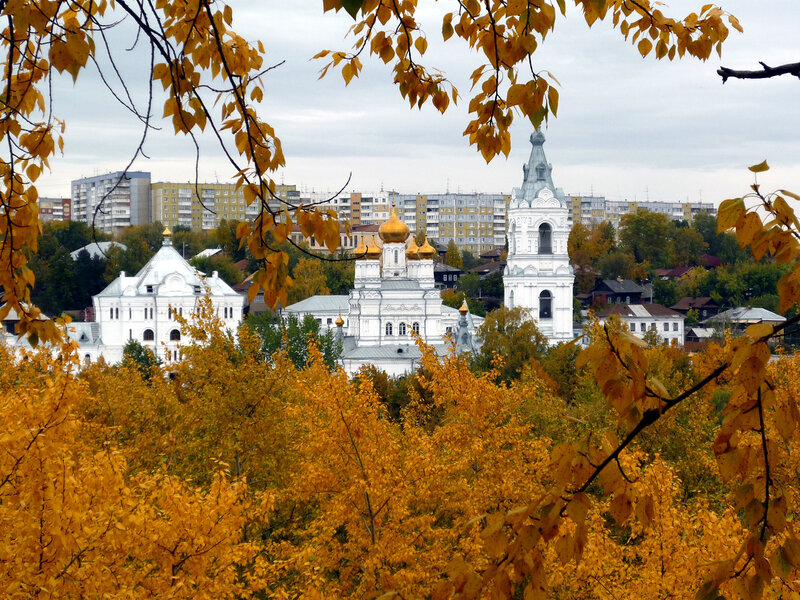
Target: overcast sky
x=627 y=127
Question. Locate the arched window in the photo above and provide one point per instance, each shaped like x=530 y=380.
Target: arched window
x=401 y=329
x=545 y=305
x=148 y=335
x=175 y=335
x=511 y=299
x=545 y=239
x=116 y=313
x=87 y=358
x=540 y=171
x=169 y=312
x=415 y=327
x=388 y=329
x=396 y=257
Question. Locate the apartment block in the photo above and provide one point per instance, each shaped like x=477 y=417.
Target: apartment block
x=54 y=209
x=593 y=210
x=112 y=201
x=475 y=222
x=204 y=205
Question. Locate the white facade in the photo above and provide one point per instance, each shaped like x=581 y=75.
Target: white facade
x=538 y=275
x=641 y=318
x=143 y=307
x=394 y=296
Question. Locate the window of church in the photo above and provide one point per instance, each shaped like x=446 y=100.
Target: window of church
x=545 y=239
x=149 y=289
x=174 y=335
x=415 y=327
x=148 y=335
x=545 y=305
x=396 y=257
x=540 y=171
x=388 y=329
x=402 y=329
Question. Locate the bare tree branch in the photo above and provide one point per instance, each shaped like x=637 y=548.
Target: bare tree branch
x=765 y=73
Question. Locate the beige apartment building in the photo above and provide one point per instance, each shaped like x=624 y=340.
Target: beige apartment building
x=593 y=210
x=476 y=222
x=204 y=205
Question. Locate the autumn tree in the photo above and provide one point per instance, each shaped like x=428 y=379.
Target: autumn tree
x=453 y=255
x=76 y=522
x=510 y=336
x=309 y=280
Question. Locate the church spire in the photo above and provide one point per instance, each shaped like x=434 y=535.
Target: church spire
x=538 y=172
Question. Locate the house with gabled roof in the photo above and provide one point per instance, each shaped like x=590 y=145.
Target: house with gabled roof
x=641 y=318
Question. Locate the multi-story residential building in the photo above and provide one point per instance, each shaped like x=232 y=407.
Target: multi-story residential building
x=54 y=209
x=476 y=222
x=204 y=205
x=593 y=210
x=112 y=201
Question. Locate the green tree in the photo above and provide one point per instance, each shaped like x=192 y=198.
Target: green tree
x=339 y=273
x=453 y=255
x=665 y=292
x=688 y=245
x=293 y=336
x=89 y=271
x=617 y=264
x=225 y=235
x=470 y=284
x=142 y=358
x=224 y=266
x=646 y=236
x=468 y=260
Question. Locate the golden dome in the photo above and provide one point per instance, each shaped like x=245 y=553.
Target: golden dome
x=393 y=230
x=413 y=251
x=339 y=321
x=426 y=251
x=373 y=252
x=166 y=232
x=464 y=309
x=361 y=251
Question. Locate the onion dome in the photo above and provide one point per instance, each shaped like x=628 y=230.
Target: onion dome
x=373 y=252
x=427 y=251
x=166 y=232
x=361 y=251
x=463 y=309
x=339 y=321
x=393 y=230
x=413 y=251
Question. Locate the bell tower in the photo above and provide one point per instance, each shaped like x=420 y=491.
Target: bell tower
x=538 y=275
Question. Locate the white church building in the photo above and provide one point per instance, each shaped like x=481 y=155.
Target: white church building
x=538 y=275
x=143 y=307
x=394 y=297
